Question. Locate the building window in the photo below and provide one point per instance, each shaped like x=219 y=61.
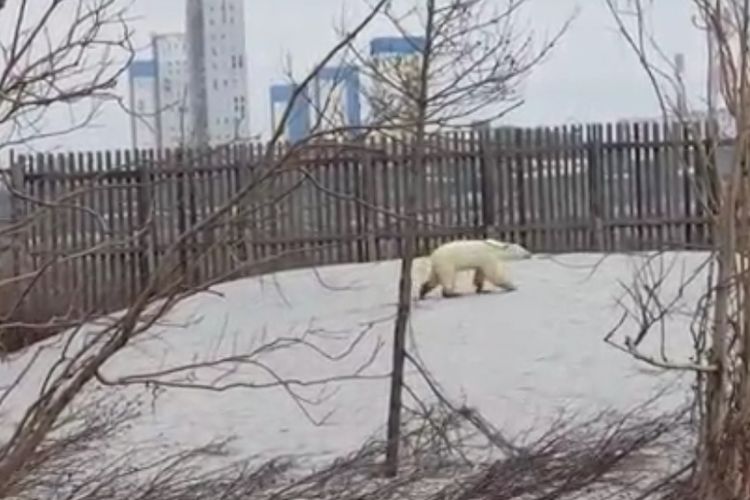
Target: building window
x=239 y=61
x=234 y=62
x=216 y=84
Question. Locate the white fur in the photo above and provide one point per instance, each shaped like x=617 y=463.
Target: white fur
x=484 y=257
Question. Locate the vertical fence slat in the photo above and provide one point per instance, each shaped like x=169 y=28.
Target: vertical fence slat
x=628 y=179
x=102 y=202
x=32 y=210
x=488 y=187
x=686 y=178
x=72 y=229
x=558 y=188
x=579 y=181
x=547 y=206
x=42 y=291
x=56 y=193
x=19 y=211
x=609 y=210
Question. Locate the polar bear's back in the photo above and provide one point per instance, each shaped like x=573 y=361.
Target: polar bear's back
x=465 y=254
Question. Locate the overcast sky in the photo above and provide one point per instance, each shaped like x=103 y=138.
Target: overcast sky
x=591 y=75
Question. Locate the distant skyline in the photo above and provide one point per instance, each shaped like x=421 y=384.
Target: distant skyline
x=591 y=76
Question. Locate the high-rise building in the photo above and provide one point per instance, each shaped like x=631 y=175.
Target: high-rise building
x=217 y=63
x=297 y=126
x=336 y=98
x=159 y=95
x=142 y=78
x=172 y=101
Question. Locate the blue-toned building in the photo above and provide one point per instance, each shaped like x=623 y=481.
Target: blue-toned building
x=390 y=46
x=298 y=122
x=336 y=98
x=143 y=84
x=331 y=101
x=398 y=58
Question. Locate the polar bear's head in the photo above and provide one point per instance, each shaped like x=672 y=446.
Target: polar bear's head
x=509 y=250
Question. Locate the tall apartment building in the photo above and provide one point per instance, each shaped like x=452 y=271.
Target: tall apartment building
x=297 y=126
x=336 y=98
x=142 y=79
x=159 y=95
x=217 y=64
x=172 y=94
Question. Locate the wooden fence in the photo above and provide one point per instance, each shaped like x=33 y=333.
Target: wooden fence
x=104 y=221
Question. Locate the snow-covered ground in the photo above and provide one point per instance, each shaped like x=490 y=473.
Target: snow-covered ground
x=518 y=357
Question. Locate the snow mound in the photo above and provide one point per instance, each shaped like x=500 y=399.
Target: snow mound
x=518 y=357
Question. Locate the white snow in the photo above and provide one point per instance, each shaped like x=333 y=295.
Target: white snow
x=516 y=356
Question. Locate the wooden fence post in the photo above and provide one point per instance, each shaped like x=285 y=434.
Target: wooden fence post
x=518 y=154
x=178 y=172
x=488 y=168
x=596 y=187
x=687 y=180
x=367 y=246
x=240 y=211
x=196 y=253
x=17 y=241
x=17 y=169
x=146 y=222
x=712 y=173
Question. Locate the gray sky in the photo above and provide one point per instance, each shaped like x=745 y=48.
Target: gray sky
x=591 y=75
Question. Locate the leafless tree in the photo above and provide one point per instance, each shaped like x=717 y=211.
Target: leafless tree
x=41 y=71
x=59 y=53
x=467 y=62
x=721 y=324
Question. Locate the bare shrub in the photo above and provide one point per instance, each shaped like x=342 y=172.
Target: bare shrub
x=605 y=455
x=720 y=332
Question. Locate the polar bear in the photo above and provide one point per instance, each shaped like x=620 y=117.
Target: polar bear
x=485 y=257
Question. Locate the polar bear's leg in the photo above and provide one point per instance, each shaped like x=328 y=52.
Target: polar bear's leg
x=479 y=280
x=431 y=283
x=496 y=275
x=447 y=276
